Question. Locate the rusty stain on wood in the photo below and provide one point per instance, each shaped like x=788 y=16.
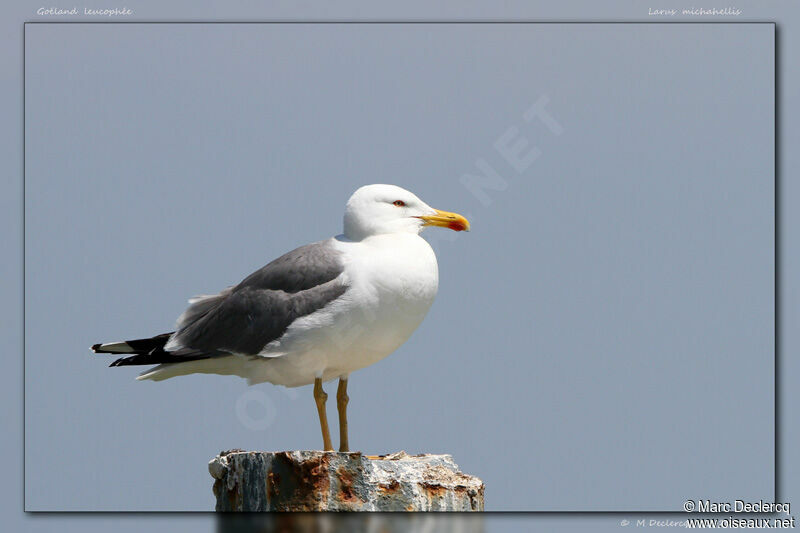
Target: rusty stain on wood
x=341 y=481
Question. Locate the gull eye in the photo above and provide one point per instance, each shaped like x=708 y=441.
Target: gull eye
x=399 y=203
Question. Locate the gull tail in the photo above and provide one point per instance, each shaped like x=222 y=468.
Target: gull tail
x=141 y=351
x=177 y=362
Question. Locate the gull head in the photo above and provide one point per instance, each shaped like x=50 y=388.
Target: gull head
x=380 y=209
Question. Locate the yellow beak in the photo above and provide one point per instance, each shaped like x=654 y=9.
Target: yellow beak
x=444 y=219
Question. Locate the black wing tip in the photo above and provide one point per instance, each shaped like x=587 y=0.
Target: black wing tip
x=136 y=359
x=98 y=348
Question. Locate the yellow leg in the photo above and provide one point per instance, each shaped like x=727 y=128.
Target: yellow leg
x=341 y=404
x=320 y=398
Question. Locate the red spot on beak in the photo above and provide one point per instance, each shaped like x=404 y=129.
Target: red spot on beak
x=457 y=226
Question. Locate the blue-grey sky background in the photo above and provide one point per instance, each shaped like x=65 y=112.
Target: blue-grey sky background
x=602 y=339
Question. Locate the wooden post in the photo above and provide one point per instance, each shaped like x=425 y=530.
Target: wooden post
x=339 y=481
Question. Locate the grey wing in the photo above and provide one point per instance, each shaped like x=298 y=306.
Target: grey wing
x=199 y=306
x=301 y=269
x=245 y=318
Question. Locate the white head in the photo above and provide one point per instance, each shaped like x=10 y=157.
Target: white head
x=379 y=209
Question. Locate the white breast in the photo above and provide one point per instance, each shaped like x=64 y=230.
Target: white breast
x=393 y=282
x=392 y=279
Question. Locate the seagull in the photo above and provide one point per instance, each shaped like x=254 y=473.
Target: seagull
x=315 y=314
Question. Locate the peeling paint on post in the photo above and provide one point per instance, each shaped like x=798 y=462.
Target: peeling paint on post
x=337 y=481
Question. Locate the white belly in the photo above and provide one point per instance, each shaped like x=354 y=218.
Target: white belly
x=392 y=281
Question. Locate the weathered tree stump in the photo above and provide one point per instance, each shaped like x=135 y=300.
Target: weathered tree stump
x=337 y=481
